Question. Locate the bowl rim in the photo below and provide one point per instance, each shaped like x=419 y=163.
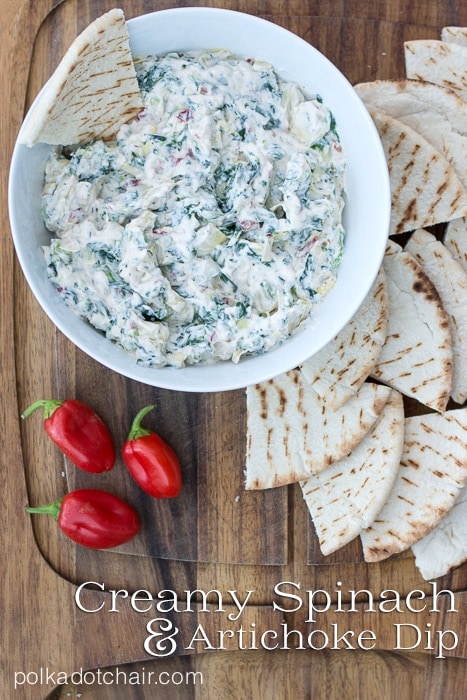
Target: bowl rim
x=252 y=369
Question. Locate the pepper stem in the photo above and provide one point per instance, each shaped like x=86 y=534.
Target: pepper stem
x=52 y=509
x=49 y=406
x=136 y=431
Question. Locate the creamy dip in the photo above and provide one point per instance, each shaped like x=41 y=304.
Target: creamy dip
x=212 y=225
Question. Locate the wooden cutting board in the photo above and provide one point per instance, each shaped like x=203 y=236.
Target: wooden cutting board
x=216 y=536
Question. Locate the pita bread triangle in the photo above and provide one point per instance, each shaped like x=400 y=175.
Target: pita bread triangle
x=416 y=358
x=345 y=498
x=291 y=433
x=425 y=188
x=432 y=471
x=450 y=280
x=440 y=62
x=445 y=547
x=436 y=113
x=338 y=370
x=92 y=92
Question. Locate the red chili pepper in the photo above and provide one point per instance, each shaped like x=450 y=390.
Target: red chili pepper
x=78 y=432
x=153 y=464
x=93 y=518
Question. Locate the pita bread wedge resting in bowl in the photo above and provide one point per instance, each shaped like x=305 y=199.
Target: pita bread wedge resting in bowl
x=436 y=113
x=425 y=188
x=416 y=358
x=292 y=433
x=338 y=370
x=432 y=472
x=445 y=547
x=344 y=499
x=450 y=280
x=92 y=92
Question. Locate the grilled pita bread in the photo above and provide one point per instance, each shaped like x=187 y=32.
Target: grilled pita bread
x=425 y=188
x=416 y=358
x=450 y=280
x=345 y=498
x=440 y=62
x=291 y=433
x=455 y=240
x=457 y=35
x=432 y=472
x=92 y=92
x=445 y=547
x=340 y=368
x=437 y=114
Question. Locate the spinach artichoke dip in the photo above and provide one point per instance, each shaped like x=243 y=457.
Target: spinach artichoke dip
x=211 y=226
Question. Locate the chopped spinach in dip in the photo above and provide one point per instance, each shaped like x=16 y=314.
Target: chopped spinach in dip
x=212 y=225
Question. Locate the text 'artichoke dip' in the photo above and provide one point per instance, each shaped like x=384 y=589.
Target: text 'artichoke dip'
x=212 y=225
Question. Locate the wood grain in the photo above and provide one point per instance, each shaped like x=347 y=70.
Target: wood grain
x=304 y=674
x=216 y=536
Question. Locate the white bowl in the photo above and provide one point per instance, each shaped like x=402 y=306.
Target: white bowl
x=366 y=214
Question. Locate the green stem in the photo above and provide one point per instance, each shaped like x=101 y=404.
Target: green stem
x=49 y=406
x=136 y=431
x=52 y=509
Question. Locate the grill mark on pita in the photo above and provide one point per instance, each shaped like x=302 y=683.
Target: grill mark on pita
x=409 y=462
x=312 y=490
x=409 y=482
x=300 y=398
x=355 y=383
x=264 y=403
x=424 y=447
x=458 y=462
x=422 y=286
x=455 y=201
x=443 y=397
x=405 y=177
x=361 y=421
x=409 y=214
x=276 y=482
x=337 y=475
x=282 y=402
x=406 y=500
x=269 y=456
x=426 y=428
x=101 y=73
x=437 y=473
x=375 y=552
x=83 y=49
